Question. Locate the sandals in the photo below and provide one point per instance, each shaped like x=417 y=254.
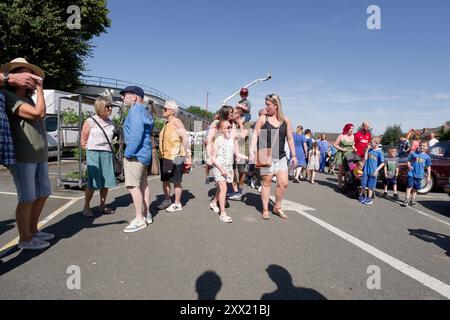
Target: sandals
x=279 y=213
x=265 y=215
x=88 y=213
x=106 y=210
x=225 y=218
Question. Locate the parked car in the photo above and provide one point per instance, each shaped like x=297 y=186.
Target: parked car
x=440 y=168
x=447 y=187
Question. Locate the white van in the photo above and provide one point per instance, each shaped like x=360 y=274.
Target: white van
x=69 y=138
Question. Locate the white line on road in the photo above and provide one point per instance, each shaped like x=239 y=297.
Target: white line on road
x=429 y=216
x=53 y=197
x=425 y=279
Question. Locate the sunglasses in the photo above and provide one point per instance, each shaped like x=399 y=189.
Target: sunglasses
x=270 y=96
x=109 y=107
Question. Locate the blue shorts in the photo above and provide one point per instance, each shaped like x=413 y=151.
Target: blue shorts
x=31 y=180
x=368 y=181
x=415 y=183
x=390 y=181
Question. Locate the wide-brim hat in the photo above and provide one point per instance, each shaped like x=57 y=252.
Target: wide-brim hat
x=22 y=63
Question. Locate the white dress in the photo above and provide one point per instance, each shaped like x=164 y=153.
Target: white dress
x=314 y=160
x=225 y=158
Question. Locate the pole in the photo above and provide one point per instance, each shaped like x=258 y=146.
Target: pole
x=268 y=77
x=207 y=94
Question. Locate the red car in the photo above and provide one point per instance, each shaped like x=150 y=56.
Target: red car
x=440 y=168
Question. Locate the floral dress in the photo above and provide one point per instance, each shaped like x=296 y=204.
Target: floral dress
x=348 y=146
x=224 y=158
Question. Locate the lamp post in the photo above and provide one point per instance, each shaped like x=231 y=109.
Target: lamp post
x=207 y=94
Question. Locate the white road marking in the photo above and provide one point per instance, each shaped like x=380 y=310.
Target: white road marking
x=54 y=214
x=53 y=197
x=425 y=279
x=429 y=216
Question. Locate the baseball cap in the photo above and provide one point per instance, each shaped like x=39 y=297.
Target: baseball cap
x=133 y=89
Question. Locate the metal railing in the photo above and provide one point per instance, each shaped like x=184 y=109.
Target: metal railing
x=120 y=84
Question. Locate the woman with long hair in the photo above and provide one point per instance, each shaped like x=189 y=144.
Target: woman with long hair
x=345 y=146
x=272 y=131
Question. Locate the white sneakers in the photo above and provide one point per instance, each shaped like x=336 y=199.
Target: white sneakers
x=149 y=218
x=174 y=207
x=136 y=225
x=214 y=207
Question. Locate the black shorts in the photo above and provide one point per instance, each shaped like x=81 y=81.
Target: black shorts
x=177 y=174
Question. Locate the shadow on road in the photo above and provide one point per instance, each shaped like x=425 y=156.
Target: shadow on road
x=186 y=196
x=440 y=207
x=64 y=229
x=286 y=289
x=6 y=225
x=208 y=285
x=439 y=239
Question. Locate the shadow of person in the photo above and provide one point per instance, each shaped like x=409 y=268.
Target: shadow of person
x=439 y=239
x=285 y=288
x=63 y=229
x=254 y=200
x=186 y=196
x=6 y=225
x=208 y=285
x=440 y=207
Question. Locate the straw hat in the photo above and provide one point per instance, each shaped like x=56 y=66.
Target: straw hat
x=22 y=63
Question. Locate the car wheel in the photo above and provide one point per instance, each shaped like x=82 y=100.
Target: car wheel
x=426 y=187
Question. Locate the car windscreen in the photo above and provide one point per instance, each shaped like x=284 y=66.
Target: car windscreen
x=440 y=151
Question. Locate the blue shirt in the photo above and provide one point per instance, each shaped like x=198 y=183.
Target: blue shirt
x=323 y=146
x=419 y=161
x=138 y=127
x=374 y=160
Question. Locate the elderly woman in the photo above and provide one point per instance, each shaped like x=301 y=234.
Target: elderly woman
x=30 y=172
x=175 y=150
x=96 y=139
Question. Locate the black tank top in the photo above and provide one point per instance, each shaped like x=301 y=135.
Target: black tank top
x=265 y=139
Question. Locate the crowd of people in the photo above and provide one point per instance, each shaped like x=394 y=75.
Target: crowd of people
x=236 y=150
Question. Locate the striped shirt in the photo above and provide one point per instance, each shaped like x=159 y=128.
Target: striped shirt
x=97 y=139
x=7 y=154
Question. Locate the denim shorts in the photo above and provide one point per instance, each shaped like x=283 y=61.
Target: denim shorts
x=277 y=165
x=368 y=181
x=31 y=180
x=415 y=183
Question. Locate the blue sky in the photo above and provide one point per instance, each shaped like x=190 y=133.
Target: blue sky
x=327 y=66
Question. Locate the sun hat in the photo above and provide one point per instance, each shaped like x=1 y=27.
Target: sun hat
x=22 y=63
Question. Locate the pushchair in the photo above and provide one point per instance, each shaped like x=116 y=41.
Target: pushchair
x=352 y=182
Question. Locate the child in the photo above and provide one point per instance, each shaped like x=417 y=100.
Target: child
x=391 y=172
x=313 y=161
x=417 y=162
x=374 y=162
x=358 y=171
x=222 y=159
x=245 y=105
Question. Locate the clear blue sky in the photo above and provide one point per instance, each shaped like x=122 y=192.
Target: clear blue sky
x=328 y=68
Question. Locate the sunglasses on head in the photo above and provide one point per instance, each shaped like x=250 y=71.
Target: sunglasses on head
x=270 y=96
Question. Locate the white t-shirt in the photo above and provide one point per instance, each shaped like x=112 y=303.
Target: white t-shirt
x=97 y=139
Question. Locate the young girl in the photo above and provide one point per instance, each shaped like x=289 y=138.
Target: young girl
x=224 y=149
x=313 y=161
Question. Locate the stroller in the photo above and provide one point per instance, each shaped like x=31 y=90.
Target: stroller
x=352 y=183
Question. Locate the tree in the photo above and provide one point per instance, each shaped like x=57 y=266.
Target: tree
x=444 y=132
x=38 y=31
x=199 y=112
x=392 y=135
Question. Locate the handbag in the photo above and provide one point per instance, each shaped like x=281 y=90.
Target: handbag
x=168 y=167
x=264 y=155
x=117 y=162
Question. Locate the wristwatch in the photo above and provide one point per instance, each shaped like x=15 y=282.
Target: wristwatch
x=5 y=77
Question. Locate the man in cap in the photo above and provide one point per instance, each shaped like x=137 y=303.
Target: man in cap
x=138 y=127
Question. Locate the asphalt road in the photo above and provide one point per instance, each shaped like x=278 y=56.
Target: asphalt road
x=331 y=247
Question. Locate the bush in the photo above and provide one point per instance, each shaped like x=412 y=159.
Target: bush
x=391 y=135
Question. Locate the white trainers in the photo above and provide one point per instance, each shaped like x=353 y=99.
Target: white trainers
x=174 y=207
x=149 y=218
x=214 y=207
x=34 y=244
x=135 y=226
x=225 y=218
x=44 y=235
x=165 y=204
